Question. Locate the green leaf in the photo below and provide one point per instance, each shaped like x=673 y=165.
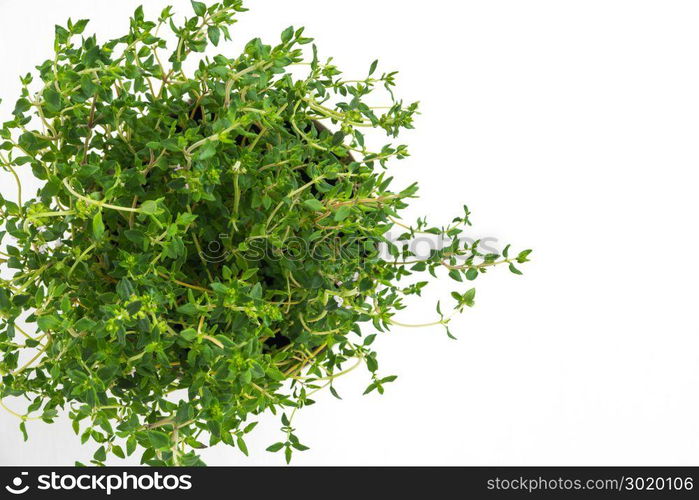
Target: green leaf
x=337 y=138
x=22 y=106
x=5 y=303
x=207 y=151
x=118 y=451
x=214 y=35
x=84 y=324
x=287 y=34
x=314 y=205
x=275 y=447
x=100 y=454
x=134 y=307
x=334 y=392
x=522 y=257
x=158 y=440
x=150 y=207
x=131 y=445
x=189 y=334
x=199 y=8
x=242 y=446
x=23 y=428
x=79 y=26
x=138 y=14
x=125 y=289
x=87 y=87
x=342 y=213
x=98 y=226
x=48 y=322
x=185 y=219
x=469 y=297
x=249 y=427
x=245 y=377
x=52 y=100
x=188 y=309
x=62 y=34
x=219 y=287
x=256 y=291
x=472 y=274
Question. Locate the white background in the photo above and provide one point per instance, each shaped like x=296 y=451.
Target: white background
x=567 y=126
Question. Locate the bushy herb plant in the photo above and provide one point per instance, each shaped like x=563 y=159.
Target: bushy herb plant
x=206 y=242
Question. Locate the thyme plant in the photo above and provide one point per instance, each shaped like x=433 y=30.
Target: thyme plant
x=205 y=243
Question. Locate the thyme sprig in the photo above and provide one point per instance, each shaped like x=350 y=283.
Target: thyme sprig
x=205 y=245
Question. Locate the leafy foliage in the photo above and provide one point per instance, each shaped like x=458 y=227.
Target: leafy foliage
x=203 y=248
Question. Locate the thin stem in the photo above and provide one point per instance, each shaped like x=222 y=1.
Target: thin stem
x=214 y=137
x=37 y=356
x=236 y=189
x=80 y=258
x=19 y=183
x=313 y=332
x=182 y=283
x=102 y=204
x=201 y=257
x=420 y=325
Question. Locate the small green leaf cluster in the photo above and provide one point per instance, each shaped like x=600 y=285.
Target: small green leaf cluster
x=156 y=259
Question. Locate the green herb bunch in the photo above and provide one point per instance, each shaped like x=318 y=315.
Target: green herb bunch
x=206 y=242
